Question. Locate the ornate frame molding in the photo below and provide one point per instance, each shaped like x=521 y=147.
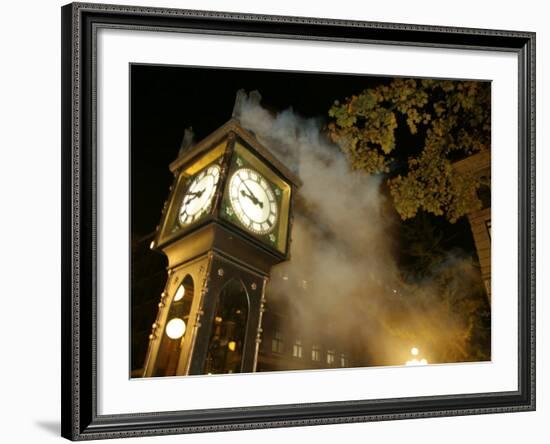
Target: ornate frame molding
x=80 y=22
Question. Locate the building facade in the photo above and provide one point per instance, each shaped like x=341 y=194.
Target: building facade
x=479 y=165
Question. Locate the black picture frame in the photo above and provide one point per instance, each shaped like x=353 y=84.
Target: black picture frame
x=79 y=385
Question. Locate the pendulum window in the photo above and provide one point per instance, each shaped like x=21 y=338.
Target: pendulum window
x=228 y=330
x=175 y=329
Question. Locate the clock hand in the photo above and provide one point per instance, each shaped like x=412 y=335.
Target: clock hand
x=195 y=194
x=252 y=198
x=249 y=190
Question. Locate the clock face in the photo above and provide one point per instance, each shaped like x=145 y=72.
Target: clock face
x=253 y=201
x=198 y=197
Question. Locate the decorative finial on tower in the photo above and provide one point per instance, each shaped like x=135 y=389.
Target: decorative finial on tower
x=188 y=140
x=240 y=97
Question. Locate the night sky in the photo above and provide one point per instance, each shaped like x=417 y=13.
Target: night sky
x=167 y=99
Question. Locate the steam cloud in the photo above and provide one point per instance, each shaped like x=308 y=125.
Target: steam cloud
x=343 y=279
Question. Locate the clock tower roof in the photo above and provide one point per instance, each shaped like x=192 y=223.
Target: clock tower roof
x=234 y=126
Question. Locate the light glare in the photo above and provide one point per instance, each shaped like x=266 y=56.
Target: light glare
x=180 y=293
x=175 y=328
x=415 y=361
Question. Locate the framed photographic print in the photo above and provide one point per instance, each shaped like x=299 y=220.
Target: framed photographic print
x=280 y=221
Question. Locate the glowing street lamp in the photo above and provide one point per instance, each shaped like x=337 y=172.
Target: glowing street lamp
x=415 y=361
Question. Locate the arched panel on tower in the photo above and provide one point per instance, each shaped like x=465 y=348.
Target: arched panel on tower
x=175 y=329
x=228 y=330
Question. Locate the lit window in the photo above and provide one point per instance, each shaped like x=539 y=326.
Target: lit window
x=330 y=357
x=343 y=360
x=297 y=349
x=277 y=342
x=316 y=353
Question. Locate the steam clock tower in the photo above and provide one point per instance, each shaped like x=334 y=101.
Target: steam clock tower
x=226 y=222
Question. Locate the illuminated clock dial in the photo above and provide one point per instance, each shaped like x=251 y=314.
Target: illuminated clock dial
x=198 y=197
x=253 y=201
